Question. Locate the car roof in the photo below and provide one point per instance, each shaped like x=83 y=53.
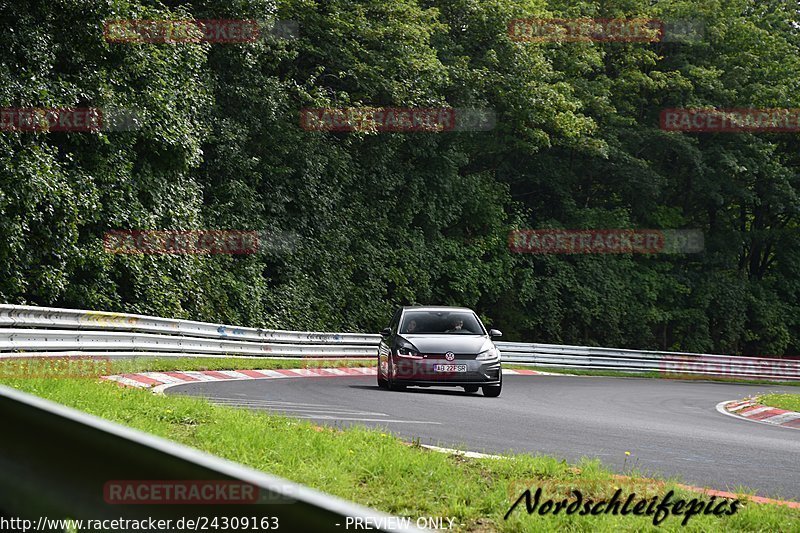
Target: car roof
x=435 y=308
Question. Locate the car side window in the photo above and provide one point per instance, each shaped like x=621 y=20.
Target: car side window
x=395 y=323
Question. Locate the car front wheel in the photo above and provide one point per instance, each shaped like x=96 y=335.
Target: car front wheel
x=382 y=383
x=392 y=384
x=493 y=391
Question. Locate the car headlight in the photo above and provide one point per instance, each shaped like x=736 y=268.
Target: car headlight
x=489 y=355
x=405 y=349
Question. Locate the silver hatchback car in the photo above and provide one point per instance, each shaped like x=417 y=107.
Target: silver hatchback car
x=439 y=346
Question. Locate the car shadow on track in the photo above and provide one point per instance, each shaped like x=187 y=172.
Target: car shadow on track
x=424 y=390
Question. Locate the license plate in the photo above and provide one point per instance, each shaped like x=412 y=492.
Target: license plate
x=449 y=368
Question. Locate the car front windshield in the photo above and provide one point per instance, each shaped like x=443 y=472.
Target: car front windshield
x=441 y=322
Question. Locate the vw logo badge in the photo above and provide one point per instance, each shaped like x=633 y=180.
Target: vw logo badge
x=449 y=356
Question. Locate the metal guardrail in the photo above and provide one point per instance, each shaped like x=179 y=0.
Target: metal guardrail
x=41 y=330
x=56 y=462
x=597 y=358
x=37 y=340
x=28 y=330
x=27 y=316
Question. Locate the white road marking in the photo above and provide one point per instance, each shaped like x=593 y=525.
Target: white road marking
x=780 y=419
x=292 y=407
x=199 y=375
x=127 y=381
x=231 y=373
x=308 y=410
x=721 y=409
x=474 y=455
x=271 y=374
x=372 y=420
x=266 y=401
x=285 y=409
x=163 y=378
x=302 y=371
x=756 y=411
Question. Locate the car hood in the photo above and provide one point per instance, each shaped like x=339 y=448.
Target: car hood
x=455 y=343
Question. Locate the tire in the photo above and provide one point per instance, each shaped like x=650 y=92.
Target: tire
x=382 y=383
x=471 y=388
x=493 y=391
x=391 y=385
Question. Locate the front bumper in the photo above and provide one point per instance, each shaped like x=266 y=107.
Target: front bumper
x=421 y=372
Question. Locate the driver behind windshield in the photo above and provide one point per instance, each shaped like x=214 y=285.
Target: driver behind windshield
x=457 y=326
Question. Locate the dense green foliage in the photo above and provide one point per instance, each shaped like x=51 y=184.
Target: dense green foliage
x=393 y=218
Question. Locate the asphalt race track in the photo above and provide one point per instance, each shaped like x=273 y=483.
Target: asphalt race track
x=670 y=427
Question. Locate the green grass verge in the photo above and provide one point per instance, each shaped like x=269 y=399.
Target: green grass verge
x=577 y=372
x=374 y=468
x=650 y=375
x=86 y=367
x=790 y=402
x=164 y=364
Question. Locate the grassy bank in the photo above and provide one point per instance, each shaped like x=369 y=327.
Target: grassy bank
x=790 y=402
x=374 y=468
x=650 y=375
x=164 y=364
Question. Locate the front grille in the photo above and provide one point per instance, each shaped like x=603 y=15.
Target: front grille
x=459 y=356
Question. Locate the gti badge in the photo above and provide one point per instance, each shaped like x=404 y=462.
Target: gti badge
x=449 y=356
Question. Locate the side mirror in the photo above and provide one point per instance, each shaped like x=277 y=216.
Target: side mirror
x=495 y=333
x=385 y=332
